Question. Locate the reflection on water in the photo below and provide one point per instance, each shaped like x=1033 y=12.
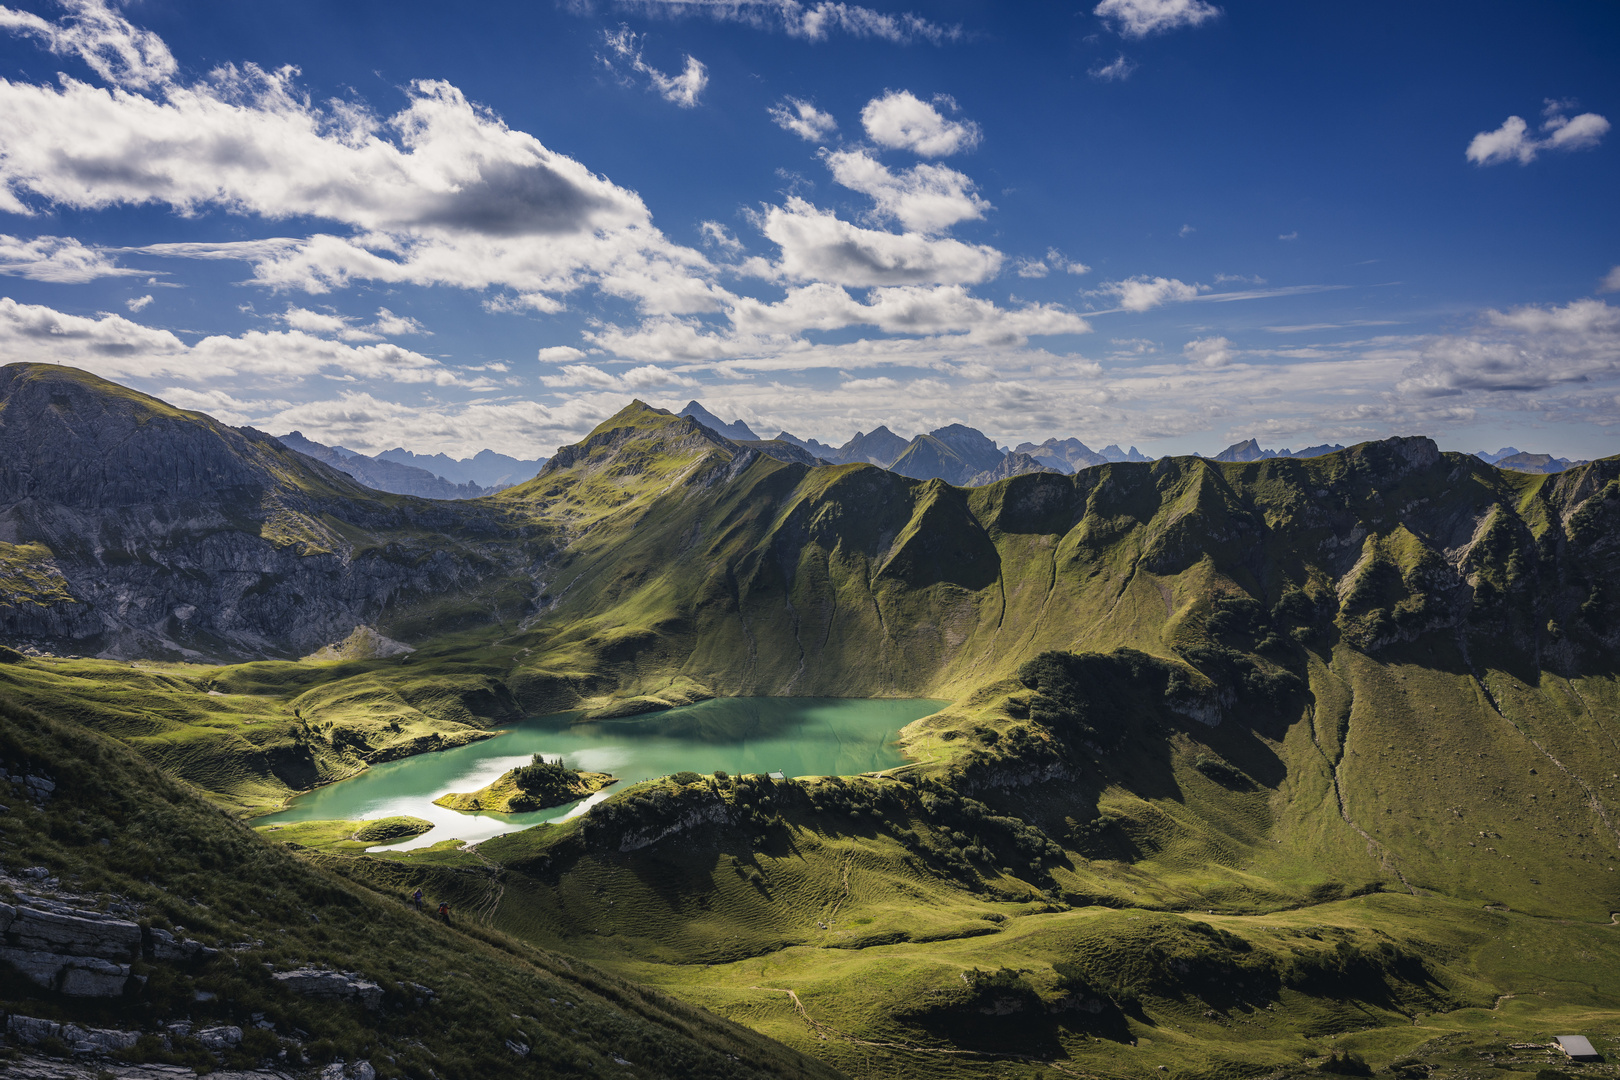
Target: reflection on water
x=794 y=736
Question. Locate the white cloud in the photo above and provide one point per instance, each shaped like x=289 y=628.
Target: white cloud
x=390 y=325
x=1145 y=293
x=1139 y=18
x=1513 y=141
x=1610 y=283
x=1579 y=133
x=440 y=193
x=866 y=386
x=813 y=21
x=1210 y=352
x=682 y=89
x=924 y=198
x=1525 y=349
x=717 y=235
x=900 y=120
x=139 y=303
x=1027 y=267
x=560 y=354
x=817 y=246
x=370 y=424
x=330 y=323
x=945 y=309
x=647 y=377
x=1186 y=230
x=1116 y=70
x=1289 y=235
x=943 y=314
x=60 y=259
x=1506 y=143
x=115 y=347
x=803 y=119
x=114 y=48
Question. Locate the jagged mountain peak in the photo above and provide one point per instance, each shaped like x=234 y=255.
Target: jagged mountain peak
x=736 y=430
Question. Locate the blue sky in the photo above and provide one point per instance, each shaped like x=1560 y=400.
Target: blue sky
x=1168 y=223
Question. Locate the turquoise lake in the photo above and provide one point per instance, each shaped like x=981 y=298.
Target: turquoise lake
x=793 y=736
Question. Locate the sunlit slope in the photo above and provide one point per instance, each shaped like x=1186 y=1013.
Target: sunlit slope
x=687 y=556
x=119 y=830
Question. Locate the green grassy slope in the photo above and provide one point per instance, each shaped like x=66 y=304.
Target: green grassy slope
x=1246 y=763
x=117 y=827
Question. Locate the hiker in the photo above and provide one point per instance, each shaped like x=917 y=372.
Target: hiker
x=416 y=899
x=444 y=912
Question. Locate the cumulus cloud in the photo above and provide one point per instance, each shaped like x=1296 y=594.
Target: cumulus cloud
x=1523 y=349
x=330 y=323
x=371 y=424
x=900 y=120
x=139 y=303
x=1139 y=18
x=1144 y=293
x=390 y=325
x=718 y=236
x=115 y=49
x=1027 y=267
x=1210 y=352
x=803 y=119
x=440 y=193
x=1611 y=282
x=770 y=335
x=945 y=309
x=812 y=22
x=647 y=377
x=115 y=347
x=816 y=245
x=560 y=354
x=1116 y=70
x=1513 y=141
x=624 y=48
x=60 y=259
x=924 y=198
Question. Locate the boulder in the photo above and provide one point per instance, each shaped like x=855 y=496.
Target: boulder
x=216 y=1039
x=75 y=976
x=73 y=931
x=163 y=945
x=332 y=985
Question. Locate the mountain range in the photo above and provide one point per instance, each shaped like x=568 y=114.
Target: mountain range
x=383 y=472
x=1242 y=768
x=956 y=454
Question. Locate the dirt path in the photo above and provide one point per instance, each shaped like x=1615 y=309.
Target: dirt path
x=486 y=907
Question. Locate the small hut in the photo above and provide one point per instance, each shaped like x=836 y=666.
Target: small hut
x=1577 y=1048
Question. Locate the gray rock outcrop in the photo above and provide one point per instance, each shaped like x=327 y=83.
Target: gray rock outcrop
x=331 y=985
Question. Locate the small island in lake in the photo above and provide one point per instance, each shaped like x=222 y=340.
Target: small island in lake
x=530 y=787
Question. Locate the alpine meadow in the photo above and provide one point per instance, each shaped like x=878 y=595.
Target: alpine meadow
x=398 y=681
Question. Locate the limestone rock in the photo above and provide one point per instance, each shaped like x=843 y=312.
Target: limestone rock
x=333 y=985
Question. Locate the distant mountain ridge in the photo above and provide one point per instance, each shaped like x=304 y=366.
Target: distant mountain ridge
x=736 y=432
x=381 y=473
x=486 y=468
x=963 y=456
x=1250 y=451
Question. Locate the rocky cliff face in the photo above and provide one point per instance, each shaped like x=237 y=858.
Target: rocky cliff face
x=130 y=528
